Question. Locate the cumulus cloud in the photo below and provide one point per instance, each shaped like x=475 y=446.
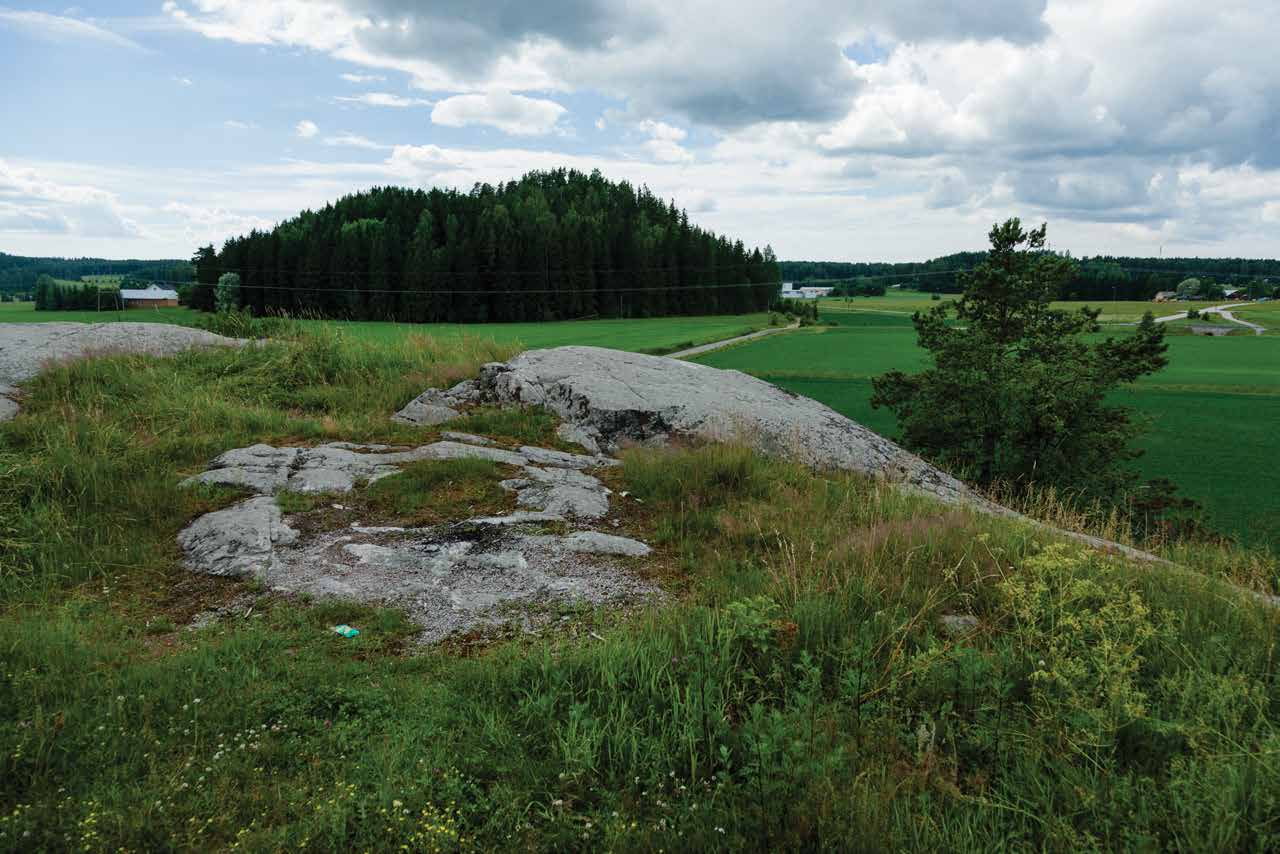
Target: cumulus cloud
x=664 y=142
x=32 y=202
x=306 y=129
x=1122 y=123
x=514 y=114
x=765 y=60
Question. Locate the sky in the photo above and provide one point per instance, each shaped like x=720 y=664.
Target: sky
x=829 y=129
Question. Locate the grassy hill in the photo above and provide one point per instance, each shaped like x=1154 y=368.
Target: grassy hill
x=796 y=689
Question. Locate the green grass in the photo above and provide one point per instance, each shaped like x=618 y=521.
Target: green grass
x=24 y=312
x=793 y=691
x=656 y=335
x=906 y=302
x=1213 y=410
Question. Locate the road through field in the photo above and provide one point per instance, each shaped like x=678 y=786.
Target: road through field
x=716 y=345
x=1223 y=310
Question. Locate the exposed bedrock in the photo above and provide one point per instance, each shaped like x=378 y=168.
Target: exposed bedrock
x=608 y=399
x=472 y=574
x=25 y=348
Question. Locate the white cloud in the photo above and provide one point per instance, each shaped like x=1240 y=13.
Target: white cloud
x=1121 y=123
x=31 y=201
x=664 y=142
x=182 y=81
x=61 y=29
x=235 y=124
x=385 y=99
x=352 y=140
x=513 y=114
x=306 y=129
x=363 y=78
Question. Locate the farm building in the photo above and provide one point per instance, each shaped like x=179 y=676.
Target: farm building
x=1237 y=293
x=804 y=292
x=153 y=296
x=1165 y=296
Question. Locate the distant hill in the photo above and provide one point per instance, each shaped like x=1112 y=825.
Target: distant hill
x=551 y=245
x=18 y=273
x=1098 y=277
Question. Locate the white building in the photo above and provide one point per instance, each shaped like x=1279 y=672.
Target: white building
x=790 y=291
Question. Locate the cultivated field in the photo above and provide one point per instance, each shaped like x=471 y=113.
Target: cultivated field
x=1213 y=410
x=905 y=303
x=656 y=335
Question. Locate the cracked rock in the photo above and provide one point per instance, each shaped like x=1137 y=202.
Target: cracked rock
x=617 y=399
x=433 y=406
x=239 y=541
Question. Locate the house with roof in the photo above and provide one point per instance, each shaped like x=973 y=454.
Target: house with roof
x=152 y=296
x=1165 y=296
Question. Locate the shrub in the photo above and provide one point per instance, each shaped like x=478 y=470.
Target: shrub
x=227 y=296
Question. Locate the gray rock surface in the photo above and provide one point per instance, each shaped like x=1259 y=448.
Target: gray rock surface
x=575 y=435
x=27 y=347
x=594 y=542
x=433 y=406
x=556 y=493
x=449 y=581
x=239 y=541
x=466 y=438
x=613 y=399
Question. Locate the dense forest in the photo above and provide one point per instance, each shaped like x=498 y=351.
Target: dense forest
x=1095 y=278
x=18 y=273
x=55 y=295
x=552 y=245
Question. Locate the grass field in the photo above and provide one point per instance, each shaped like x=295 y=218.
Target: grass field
x=1213 y=410
x=907 y=302
x=793 y=692
x=656 y=335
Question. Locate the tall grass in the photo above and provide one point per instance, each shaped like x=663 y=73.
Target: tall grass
x=89 y=473
x=796 y=691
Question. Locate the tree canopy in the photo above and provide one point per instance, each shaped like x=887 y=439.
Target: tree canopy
x=1016 y=394
x=552 y=245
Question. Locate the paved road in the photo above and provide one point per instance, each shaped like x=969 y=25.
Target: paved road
x=716 y=345
x=1223 y=310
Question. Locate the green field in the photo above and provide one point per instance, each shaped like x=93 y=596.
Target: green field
x=1212 y=411
x=1217 y=393
x=906 y=302
x=658 y=334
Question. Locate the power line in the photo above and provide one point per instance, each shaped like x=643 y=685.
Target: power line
x=474 y=292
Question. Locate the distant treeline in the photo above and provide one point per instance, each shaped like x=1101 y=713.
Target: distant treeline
x=18 y=273
x=54 y=295
x=1097 y=278
x=552 y=245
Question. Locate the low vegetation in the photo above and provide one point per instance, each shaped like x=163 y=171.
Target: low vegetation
x=796 y=691
x=1210 y=413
